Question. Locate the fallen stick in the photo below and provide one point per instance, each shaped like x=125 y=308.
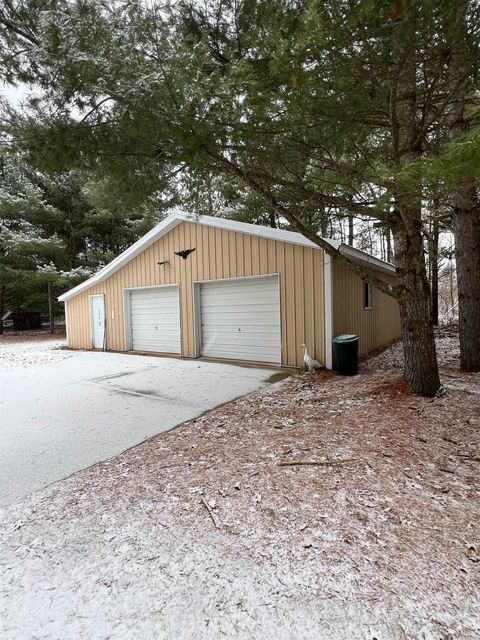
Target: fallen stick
x=318 y=463
x=212 y=515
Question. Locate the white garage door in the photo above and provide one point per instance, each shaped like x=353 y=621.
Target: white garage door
x=241 y=319
x=155 y=319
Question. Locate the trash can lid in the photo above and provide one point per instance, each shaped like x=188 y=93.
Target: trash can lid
x=345 y=338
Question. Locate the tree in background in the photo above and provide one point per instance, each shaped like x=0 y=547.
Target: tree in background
x=327 y=107
x=52 y=237
x=24 y=245
x=462 y=71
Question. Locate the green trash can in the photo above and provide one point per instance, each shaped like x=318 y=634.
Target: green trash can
x=346 y=354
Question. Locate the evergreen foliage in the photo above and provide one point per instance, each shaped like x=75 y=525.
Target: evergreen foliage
x=51 y=233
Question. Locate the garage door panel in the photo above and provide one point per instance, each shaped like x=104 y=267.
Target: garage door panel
x=166 y=320
x=263 y=333
x=154 y=305
x=222 y=294
x=243 y=338
x=165 y=313
x=167 y=292
x=241 y=319
x=243 y=355
x=241 y=348
x=230 y=293
x=155 y=319
x=236 y=303
x=239 y=308
x=154 y=333
x=244 y=283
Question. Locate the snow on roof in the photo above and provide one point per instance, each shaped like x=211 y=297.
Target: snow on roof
x=175 y=219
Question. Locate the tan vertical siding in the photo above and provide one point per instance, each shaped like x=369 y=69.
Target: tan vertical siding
x=279 y=266
x=318 y=305
x=309 y=311
x=375 y=327
x=218 y=254
x=300 y=320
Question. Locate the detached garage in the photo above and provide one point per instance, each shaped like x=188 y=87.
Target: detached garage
x=208 y=287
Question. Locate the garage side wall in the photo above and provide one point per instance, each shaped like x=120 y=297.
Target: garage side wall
x=376 y=326
x=218 y=254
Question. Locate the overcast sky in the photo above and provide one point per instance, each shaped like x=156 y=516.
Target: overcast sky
x=13 y=94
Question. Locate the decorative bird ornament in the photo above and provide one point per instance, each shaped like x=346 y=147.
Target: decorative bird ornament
x=184 y=253
x=310 y=362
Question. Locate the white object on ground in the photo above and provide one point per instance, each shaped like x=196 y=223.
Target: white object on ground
x=310 y=362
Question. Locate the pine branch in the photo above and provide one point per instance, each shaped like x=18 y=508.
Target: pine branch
x=24 y=33
x=395 y=291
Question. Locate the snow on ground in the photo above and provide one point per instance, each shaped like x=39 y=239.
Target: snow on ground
x=37 y=349
x=200 y=533
x=60 y=416
x=447 y=353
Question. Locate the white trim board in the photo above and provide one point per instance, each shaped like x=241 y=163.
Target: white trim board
x=328 y=309
x=66 y=324
x=175 y=219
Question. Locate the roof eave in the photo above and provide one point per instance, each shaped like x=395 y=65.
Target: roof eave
x=366 y=260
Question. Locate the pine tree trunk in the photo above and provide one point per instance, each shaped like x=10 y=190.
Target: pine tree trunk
x=420 y=368
x=324 y=225
x=466 y=208
x=350 y=230
x=453 y=304
x=466 y=228
x=389 y=245
x=50 y=309
x=433 y=260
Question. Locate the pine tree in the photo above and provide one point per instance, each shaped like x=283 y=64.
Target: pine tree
x=51 y=235
x=24 y=246
x=462 y=70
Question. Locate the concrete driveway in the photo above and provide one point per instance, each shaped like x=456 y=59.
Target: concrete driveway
x=62 y=411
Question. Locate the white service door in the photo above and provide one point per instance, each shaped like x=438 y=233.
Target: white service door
x=241 y=319
x=155 y=318
x=97 y=313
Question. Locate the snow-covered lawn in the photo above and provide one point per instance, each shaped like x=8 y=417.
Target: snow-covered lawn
x=15 y=353
x=202 y=533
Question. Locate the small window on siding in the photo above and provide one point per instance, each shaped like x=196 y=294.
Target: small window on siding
x=367 y=296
